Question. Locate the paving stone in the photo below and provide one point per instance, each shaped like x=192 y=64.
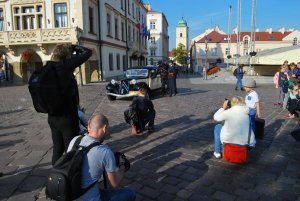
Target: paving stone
x=223 y=196
x=149 y=192
x=184 y=194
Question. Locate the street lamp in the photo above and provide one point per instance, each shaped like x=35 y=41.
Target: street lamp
x=78 y=34
x=206 y=51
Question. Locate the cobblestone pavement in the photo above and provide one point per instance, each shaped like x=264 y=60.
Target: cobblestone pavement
x=174 y=163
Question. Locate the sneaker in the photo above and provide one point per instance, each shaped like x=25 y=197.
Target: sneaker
x=217 y=155
x=133 y=131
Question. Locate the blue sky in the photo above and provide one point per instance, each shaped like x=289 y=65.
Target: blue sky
x=203 y=14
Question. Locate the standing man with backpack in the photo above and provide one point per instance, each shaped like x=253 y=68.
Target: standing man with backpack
x=239 y=74
x=64 y=125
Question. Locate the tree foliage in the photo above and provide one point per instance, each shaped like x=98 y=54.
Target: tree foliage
x=180 y=54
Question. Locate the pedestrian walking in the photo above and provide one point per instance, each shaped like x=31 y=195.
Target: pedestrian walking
x=239 y=74
x=204 y=72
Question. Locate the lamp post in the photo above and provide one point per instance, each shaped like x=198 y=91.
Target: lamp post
x=78 y=34
x=206 y=51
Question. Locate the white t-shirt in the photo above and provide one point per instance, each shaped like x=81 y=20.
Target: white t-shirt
x=251 y=98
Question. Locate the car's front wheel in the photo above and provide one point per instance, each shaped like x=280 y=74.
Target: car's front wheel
x=111 y=98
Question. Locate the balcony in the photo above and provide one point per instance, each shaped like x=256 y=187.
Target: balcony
x=37 y=36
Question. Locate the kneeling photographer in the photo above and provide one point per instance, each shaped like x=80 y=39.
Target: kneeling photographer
x=236 y=125
x=101 y=159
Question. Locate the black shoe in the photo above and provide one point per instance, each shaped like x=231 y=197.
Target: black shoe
x=235 y=89
x=150 y=129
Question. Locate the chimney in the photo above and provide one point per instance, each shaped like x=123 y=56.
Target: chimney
x=257 y=30
x=282 y=30
x=269 y=30
x=148 y=7
x=234 y=31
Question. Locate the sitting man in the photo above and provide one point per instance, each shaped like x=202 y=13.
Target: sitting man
x=145 y=110
x=99 y=159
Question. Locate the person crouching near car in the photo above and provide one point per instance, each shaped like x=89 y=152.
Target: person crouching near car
x=235 y=130
x=99 y=159
x=146 y=110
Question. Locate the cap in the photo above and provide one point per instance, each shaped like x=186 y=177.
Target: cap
x=251 y=83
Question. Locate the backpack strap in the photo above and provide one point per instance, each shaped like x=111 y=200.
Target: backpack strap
x=77 y=142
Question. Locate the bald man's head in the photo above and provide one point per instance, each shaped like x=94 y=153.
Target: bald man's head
x=97 y=121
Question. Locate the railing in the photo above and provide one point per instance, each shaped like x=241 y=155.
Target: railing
x=38 y=36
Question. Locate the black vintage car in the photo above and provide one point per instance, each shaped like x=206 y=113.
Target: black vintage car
x=135 y=78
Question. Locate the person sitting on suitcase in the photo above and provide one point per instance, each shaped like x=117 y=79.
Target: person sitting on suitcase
x=235 y=130
x=145 y=110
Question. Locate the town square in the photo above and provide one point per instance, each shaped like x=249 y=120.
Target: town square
x=149 y=100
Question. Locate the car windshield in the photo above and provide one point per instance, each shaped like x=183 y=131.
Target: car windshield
x=136 y=73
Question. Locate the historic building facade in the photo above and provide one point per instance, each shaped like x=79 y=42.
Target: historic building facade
x=214 y=45
x=30 y=29
x=158 y=43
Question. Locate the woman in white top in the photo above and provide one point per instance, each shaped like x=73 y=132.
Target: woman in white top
x=236 y=125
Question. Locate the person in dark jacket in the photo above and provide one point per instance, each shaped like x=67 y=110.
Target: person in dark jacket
x=163 y=69
x=239 y=77
x=65 y=127
x=145 y=111
x=172 y=80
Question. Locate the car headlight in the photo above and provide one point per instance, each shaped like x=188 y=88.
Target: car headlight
x=133 y=81
x=113 y=81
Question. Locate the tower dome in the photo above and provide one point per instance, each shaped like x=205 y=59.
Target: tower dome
x=182 y=23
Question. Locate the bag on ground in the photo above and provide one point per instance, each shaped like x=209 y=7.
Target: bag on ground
x=64 y=181
x=259 y=128
x=234 y=153
x=45 y=91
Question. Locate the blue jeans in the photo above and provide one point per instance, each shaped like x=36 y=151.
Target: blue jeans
x=252 y=115
x=239 y=83
x=217 y=134
x=120 y=194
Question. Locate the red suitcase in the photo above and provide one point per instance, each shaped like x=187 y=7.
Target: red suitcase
x=234 y=153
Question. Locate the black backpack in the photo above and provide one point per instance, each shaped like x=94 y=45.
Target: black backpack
x=45 y=91
x=235 y=72
x=64 y=181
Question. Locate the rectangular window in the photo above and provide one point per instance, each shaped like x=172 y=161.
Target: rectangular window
x=122 y=4
x=153 y=52
x=133 y=10
x=128 y=3
x=227 y=51
x=133 y=34
x=152 y=25
x=129 y=33
x=124 y=61
x=108 y=24
x=1 y=19
x=123 y=31
x=40 y=21
x=60 y=15
x=111 y=62
x=214 y=51
x=118 y=62
x=202 y=52
x=116 y=28
x=152 y=40
x=91 y=18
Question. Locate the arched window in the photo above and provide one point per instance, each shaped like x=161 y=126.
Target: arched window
x=295 y=41
x=180 y=34
x=246 y=40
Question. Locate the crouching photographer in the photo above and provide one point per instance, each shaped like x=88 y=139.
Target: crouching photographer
x=100 y=159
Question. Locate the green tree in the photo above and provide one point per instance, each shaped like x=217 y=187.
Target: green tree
x=180 y=54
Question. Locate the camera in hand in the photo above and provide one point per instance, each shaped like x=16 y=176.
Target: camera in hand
x=228 y=103
x=122 y=160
